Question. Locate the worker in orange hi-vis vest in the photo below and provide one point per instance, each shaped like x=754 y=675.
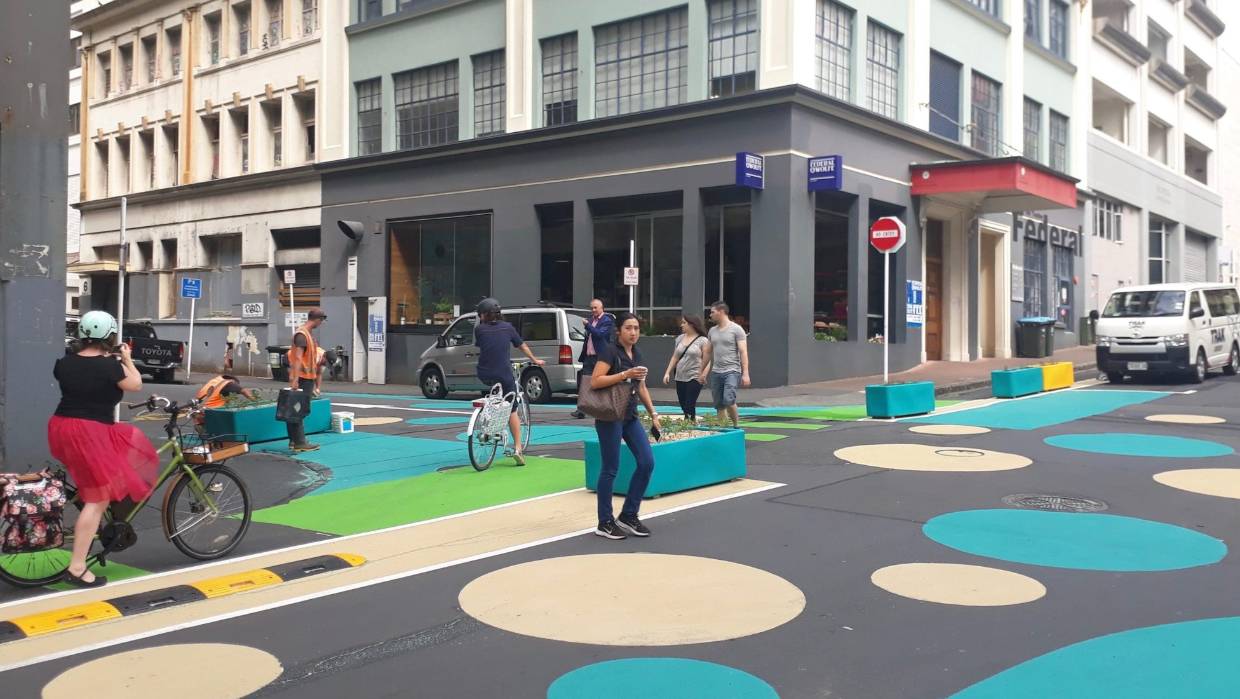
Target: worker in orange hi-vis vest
x=214 y=392
x=303 y=372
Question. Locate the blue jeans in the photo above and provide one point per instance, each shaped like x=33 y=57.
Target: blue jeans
x=609 y=435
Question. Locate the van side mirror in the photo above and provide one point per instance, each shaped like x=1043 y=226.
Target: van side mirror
x=441 y=342
x=1093 y=315
x=1197 y=313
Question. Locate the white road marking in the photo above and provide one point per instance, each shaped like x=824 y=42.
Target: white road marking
x=368 y=406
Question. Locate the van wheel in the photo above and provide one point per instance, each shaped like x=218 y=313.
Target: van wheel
x=433 y=385
x=535 y=387
x=1200 y=368
x=1233 y=362
x=1115 y=377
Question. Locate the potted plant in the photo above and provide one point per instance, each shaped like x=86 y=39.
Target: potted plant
x=443 y=311
x=689 y=455
x=256 y=418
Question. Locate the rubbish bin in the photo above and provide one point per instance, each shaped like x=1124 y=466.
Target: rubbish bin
x=1035 y=337
x=277 y=361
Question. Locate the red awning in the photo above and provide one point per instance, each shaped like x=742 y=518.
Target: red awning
x=995 y=185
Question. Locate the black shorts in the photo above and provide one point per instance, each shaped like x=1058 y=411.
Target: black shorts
x=509 y=384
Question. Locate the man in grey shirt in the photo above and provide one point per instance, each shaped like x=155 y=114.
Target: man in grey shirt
x=729 y=361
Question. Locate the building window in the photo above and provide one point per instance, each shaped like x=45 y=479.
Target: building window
x=1059 y=141
x=489 y=98
x=831 y=267
x=944 y=96
x=641 y=63
x=212 y=126
x=1057 y=24
x=559 y=80
x=275 y=22
x=172 y=136
x=75 y=118
x=174 y=51
x=369 y=117
x=244 y=144
x=147 y=139
x=148 y=57
x=1108 y=220
x=1196 y=161
x=990 y=7
x=556 y=250
x=75 y=52
x=427 y=106
x=874 y=279
x=243 y=15
x=1035 y=278
x=1063 y=263
x=882 y=75
x=1158 y=133
x=370 y=9
x=241 y=127
x=105 y=73
x=656 y=239
x=1033 y=130
x=122 y=150
x=1157 y=40
x=223 y=292
x=309 y=16
x=438 y=265
x=1033 y=20
x=101 y=181
x=834 y=49
x=275 y=123
x=1196 y=70
x=1160 y=262
x=126 y=76
x=213 y=38
x=986 y=113
x=310 y=139
x=727 y=258
x=733 y=47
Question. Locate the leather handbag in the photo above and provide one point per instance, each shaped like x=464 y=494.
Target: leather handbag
x=610 y=404
x=293 y=405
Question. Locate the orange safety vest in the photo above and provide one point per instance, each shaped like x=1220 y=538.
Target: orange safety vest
x=212 y=392
x=307 y=361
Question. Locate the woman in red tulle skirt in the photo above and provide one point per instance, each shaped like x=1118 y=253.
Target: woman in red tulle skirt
x=108 y=461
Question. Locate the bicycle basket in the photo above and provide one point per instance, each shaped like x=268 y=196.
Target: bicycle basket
x=213 y=449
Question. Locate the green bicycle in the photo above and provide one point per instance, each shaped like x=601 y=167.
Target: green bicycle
x=205 y=511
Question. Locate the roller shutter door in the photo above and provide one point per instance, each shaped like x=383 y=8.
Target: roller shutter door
x=1195 y=247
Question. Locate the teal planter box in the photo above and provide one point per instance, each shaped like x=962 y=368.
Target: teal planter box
x=899 y=399
x=681 y=465
x=1014 y=383
x=259 y=424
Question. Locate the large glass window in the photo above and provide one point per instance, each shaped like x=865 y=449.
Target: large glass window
x=369 y=9
x=369 y=117
x=1035 y=278
x=427 y=106
x=1108 y=219
x=1033 y=20
x=559 y=80
x=727 y=259
x=874 y=280
x=990 y=7
x=986 y=113
x=438 y=266
x=489 y=86
x=733 y=47
x=834 y=49
x=556 y=223
x=657 y=243
x=1057 y=24
x=1033 y=130
x=1160 y=257
x=882 y=73
x=1059 y=141
x=831 y=234
x=944 y=96
x=641 y=63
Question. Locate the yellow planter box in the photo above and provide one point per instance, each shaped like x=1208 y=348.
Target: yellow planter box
x=1056 y=376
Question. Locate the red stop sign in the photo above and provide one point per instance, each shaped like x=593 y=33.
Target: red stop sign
x=887 y=235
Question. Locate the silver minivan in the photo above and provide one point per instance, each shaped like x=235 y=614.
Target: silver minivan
x=553 y=334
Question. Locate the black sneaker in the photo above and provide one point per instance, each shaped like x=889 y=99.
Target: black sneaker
x=579 y=415
x=609 y=530
x=632 y=525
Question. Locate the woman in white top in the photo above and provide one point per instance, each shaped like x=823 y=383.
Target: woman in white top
x=692 y=352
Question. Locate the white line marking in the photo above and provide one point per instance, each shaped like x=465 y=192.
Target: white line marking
x=369 y=406
x=358 y=585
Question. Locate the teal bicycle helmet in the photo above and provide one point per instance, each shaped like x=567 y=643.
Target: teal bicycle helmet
x=97 y=325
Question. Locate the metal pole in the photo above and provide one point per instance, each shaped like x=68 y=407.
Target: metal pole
x=886 y=309
x=189 y=355
x=632 y=263
x=292 y=307
x=120 y=290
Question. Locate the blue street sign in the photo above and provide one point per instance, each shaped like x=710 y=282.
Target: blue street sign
x=915 y=303
x=826 y=173
x=750 y=170
x=191 y=288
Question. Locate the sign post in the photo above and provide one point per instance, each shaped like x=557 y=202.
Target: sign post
x=887 y=235
x=123 y=259
x=290 y=278
x=630 y=276
x=190 y=289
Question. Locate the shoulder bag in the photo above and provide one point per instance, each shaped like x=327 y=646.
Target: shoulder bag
x=610 y=404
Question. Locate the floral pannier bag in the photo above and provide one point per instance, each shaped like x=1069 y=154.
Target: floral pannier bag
x=31 y=508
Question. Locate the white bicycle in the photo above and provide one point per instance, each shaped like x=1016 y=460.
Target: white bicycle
x=488 y=426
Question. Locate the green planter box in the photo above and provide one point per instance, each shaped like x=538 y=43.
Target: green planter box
x=681 y=465
x=259 y=423
x=1014 y=383
x=899 y=399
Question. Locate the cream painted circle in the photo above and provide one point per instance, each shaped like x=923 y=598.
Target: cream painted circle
x=188 y=671
x=965 y=585
x=1219 y=482
x=950 y=430
x=372 y=421
x=1187 y=419
x=921 y=457
x=632 y=599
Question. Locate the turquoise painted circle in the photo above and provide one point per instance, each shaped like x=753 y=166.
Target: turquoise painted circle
x=659 y=678
x=1083 y=541
x=1186 y=659
x=1152 y=445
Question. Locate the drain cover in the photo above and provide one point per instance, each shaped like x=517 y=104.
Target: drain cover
x=1054 y=503
x=959 y=452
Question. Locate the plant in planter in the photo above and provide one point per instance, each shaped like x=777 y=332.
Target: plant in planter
x=260 y=398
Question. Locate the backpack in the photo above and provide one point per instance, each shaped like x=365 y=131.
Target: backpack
x=31 y=508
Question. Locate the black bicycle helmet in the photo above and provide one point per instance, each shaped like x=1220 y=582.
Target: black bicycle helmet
x=488 y=305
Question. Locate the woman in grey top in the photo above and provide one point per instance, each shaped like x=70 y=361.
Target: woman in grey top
x=692 y=352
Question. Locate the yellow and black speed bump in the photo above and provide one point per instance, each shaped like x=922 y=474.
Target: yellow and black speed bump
x=142 y=602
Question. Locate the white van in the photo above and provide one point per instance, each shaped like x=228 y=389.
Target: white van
x=1170 y=328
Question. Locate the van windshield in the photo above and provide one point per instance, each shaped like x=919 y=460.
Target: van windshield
x=1144 y=304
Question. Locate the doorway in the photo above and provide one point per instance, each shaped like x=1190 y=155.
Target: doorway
x=934 y=290
x=989 y=295
x=727 y=259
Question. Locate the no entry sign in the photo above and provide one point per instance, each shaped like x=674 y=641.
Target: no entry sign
x=887 y=235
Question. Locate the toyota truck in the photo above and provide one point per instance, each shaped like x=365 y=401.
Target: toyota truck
x=151 y=355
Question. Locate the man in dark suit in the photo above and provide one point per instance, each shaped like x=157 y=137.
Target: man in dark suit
x=600 y=332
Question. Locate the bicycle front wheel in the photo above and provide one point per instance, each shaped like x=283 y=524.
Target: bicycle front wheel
x=482 y=447
x=193 y=526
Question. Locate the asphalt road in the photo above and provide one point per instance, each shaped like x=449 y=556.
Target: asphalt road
x=826 y=530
